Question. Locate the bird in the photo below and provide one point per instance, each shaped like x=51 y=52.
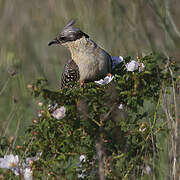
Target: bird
x=89 y=62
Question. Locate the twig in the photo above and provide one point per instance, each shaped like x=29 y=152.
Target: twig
x=155 y=114
x=170 y=18
x=9 y=119
x=154 y=152
x=17 y=129
x=175 y=129
x=166 y=27
x=4 y=87
x=30 y=144
x=100 y=153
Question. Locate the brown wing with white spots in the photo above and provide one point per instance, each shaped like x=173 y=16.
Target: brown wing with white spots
x=70 y=74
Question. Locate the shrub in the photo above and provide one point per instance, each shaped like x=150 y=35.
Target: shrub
x=115 y=126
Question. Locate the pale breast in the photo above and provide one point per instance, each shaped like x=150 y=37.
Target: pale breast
x=92 y=67
x=93 y=62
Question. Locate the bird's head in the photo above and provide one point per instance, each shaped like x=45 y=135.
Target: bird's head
x=68 y=34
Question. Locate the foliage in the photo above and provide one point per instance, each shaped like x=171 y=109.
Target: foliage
x=128 y=136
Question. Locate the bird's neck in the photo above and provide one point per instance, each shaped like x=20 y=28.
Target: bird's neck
x=80 y=48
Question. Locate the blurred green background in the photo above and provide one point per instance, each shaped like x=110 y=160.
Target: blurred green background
x=122 y=27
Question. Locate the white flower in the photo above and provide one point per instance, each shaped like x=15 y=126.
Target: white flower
x=10 y=162
x=121 y=106
x=40 y=104
x=143 y=127
x=82 y=158
x=17 y=167
x=59 y=113
x=132 y=66
x=29 y=160
x=81 y=172
x=141 y=67
x=116 y=60
x=148 y=169
x=39 y=114
x=104 y=81
x=27 y=166
x=28 y=174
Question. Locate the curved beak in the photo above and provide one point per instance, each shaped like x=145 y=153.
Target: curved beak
x=53 y=42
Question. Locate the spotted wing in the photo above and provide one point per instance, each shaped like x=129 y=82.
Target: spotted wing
x=70 y=74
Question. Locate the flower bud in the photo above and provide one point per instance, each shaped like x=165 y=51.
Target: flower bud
x=35 y=121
